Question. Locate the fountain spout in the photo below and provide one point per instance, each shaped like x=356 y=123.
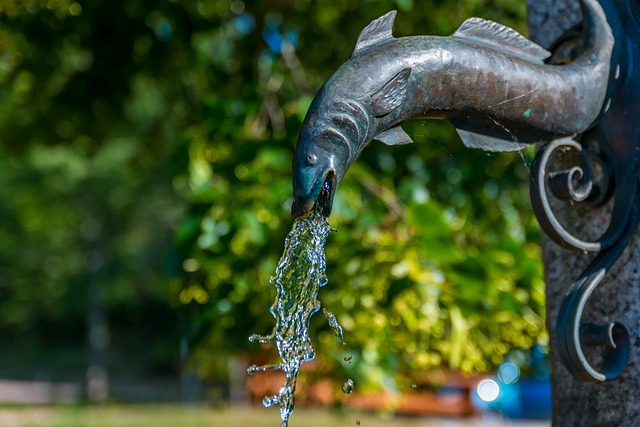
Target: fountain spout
x=494 y=86
x=486 y=79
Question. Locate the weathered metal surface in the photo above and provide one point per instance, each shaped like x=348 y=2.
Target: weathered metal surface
x=486 y=79
x=549 y=20
x=616 y=298
x=618 y=140
x=492 y=84
x=571 y=333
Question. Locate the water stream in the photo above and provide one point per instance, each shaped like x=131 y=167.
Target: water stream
x=299 y=276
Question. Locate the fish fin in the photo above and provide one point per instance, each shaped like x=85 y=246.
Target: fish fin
x=394 y=136
x=377 y=31
x=489 y=143
x=501 y=38
x=391 y=95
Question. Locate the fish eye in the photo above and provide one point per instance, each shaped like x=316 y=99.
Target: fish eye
x=312 y=159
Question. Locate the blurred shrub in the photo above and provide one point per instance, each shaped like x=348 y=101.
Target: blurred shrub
x=436 y=263
x=131 y=111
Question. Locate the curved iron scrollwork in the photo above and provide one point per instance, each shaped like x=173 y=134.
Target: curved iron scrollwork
x=618 y=139
x=572 y=185
x=575 y=185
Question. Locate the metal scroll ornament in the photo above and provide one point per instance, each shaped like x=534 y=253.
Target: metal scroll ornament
x=618 y=139
x=575 y=185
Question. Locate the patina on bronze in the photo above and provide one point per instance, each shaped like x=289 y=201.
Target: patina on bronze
x=494 y=86
x=486 y=79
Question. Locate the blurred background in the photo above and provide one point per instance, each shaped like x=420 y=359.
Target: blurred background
x=145 y=174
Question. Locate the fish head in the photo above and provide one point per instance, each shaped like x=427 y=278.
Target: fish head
x=336 y=129
x=321 y=158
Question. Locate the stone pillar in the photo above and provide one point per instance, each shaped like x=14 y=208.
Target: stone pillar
x=617 y=298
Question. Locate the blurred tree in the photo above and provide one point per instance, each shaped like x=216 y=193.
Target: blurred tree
x=87 y=137
x=437 y=263
x=116 y=114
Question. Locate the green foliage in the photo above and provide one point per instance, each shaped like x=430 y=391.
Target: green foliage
x=86 y=146
x=115 y=115
x=436 y=262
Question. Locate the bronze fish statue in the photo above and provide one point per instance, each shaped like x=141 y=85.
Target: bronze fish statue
x=486 y=79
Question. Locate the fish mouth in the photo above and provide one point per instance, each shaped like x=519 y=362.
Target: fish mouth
x=322 y=204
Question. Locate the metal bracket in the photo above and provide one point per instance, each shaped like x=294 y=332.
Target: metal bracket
x=618 y=138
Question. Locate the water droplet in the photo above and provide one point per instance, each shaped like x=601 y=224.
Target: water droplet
x=253 y=369
x=335 y=326
x=270 y=401
x=357 y=422
x=347 y=387
x=348 y=358
x=262 y=339
x=414 y=386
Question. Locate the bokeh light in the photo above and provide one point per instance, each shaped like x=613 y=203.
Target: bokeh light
x=488 y=390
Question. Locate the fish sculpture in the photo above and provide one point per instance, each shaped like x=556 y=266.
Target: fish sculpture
x=486 y=79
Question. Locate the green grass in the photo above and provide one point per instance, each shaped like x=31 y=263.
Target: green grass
x=173 y=415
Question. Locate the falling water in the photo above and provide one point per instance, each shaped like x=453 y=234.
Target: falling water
x=299 y=275
x=347 y=387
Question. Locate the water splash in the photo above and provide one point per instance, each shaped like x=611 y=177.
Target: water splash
x=335 y=326
x=299 y=276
